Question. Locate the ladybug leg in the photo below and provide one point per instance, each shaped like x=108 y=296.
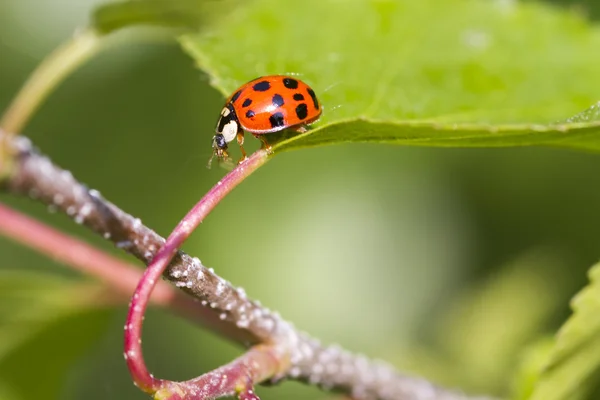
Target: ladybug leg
x=240 y=140
x=302 y=129
x=265 y=144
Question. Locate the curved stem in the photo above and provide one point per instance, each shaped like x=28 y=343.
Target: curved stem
x=53 y=70
x=133 y=327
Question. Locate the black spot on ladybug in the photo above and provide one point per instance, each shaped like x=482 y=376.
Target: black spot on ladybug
x=298 y=96
x=276 y=120
x=236 y=96
x=247 y=102
x=277 y=100
x=290 y=83
x=314 y=98
x=261 y=86
x=302 y=111
x=249 y=114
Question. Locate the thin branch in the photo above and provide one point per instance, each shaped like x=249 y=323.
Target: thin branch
x=328 y=366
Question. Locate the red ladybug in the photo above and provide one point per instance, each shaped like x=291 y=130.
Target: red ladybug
x=264 y=105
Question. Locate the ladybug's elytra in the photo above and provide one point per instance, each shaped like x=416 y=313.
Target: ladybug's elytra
x=264 y=105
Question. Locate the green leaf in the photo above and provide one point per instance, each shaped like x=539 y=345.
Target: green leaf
x=46 y=322
x=428 y=73
x=575 y=356
x=530 y=365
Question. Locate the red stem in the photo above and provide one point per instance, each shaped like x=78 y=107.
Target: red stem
x=71 y=251
x=133 y=326
x=119 y=275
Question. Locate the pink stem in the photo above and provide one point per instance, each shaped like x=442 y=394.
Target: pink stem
x=121 y=276
x=133 y=326
x=66 y=249
x=236 y=378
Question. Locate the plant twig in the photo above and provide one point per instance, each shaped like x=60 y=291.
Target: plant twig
x=328 y=366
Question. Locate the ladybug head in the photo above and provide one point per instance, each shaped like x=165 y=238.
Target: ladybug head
x=227 y=129
x=219 y=145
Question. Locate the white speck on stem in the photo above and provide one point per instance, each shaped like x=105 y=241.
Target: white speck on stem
x=123 y=244
x=220 y=288
x=186 y=225
x=137 y=223
x=66 y=175
x=86 y=209
x=242 y=323
x=241 y=292
x=58 y=199
x=267 y=324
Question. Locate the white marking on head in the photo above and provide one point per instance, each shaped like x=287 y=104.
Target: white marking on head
x=230 y=130
x=225 y=111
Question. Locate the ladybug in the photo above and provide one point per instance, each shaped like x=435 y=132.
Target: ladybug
x=264 y=105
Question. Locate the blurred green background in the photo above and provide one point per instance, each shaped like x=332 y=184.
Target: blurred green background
x=445 y=262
